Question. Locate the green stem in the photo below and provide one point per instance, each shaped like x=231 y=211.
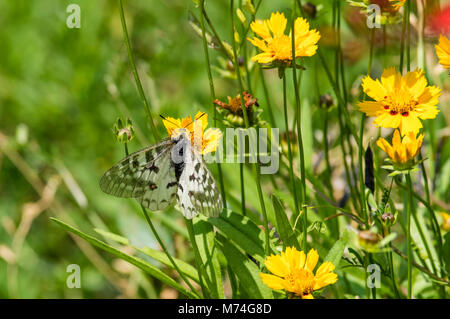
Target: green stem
x=408 y=233
x=402 y=41
x=212 y=92
x=244 y=109
x=288 y=140
x=198 y=259
x=241 y=171
x=155 y=233
x=408 y=36
x=135 y=73
x=391 y=267
x=266 y=96
x=326 y=154
x=304 y=207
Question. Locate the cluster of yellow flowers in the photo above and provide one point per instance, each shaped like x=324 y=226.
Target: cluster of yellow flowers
x=400 y=102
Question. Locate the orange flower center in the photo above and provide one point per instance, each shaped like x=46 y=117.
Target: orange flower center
x=282 y=47
x=399 y=105
x=301 y=281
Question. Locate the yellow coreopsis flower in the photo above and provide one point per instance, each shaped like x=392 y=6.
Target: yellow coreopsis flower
x=400 y=101
x=293 y=271
x=443 y=51
x=205 y=141
x=276 y=45
x=402 y=151
x=446 y=223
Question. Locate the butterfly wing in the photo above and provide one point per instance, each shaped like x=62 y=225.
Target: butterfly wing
x=137 y=174
x=161 y=191
x=197 y=189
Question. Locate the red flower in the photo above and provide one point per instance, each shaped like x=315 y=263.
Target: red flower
x=439 y=22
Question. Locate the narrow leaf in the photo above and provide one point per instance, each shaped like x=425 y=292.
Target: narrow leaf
x=138 y=262
x=246 y=271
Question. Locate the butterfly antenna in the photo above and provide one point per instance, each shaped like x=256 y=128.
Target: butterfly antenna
x=195 y=119
x=165 y=119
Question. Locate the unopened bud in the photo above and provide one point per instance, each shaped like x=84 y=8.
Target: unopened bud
x=124 y=133
x=367 y=237
x=326 y=101
x=310 y=10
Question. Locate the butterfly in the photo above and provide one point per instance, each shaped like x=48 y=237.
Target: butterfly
x=169 y=171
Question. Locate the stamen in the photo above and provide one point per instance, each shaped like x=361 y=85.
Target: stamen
x=393 y=112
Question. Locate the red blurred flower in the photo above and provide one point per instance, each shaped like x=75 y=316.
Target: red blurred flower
x=439 y=22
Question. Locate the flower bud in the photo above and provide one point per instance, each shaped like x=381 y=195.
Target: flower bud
x=124 y=133
x=310 y=10
x=326 y=101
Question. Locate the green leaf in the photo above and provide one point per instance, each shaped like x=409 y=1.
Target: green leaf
x=184 y=267
x=210 y=266
x=114 y=237
x=336 y=252
x=160 y=256
x=245 y=270
x=138 y=262
x=284 y=227
x=243 y=232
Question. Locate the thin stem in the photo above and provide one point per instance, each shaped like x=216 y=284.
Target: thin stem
x=244 y=109
x=288 y=140
x=402 y=40
x=341 y=102
x=408 y=233
x=408 y=36
x=266 y=95
x=135 y=73
x=241 y=171
x=304 y=207
x=198 y=260
x=212 y=92
x=326 y=153
x=155 y=233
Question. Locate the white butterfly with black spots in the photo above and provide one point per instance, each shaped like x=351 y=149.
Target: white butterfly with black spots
x=159 y=174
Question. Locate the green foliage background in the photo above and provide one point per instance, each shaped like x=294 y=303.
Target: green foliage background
x=62 y=89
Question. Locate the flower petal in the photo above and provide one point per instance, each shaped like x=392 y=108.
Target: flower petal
x=272 y=281
x=277 y=265
x=311 y=260
x=277 y=24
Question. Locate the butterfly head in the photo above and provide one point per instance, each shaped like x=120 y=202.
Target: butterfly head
x=180 y=133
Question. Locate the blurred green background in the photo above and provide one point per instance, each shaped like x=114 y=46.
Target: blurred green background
x=62 y=89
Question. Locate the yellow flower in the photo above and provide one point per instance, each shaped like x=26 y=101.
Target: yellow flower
x=403 y=150
x=293 y=272
x=397 y=4
x=443 y=51
x=204 y=141
x=276 y=45
x=446 y=223
x=400 y=101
